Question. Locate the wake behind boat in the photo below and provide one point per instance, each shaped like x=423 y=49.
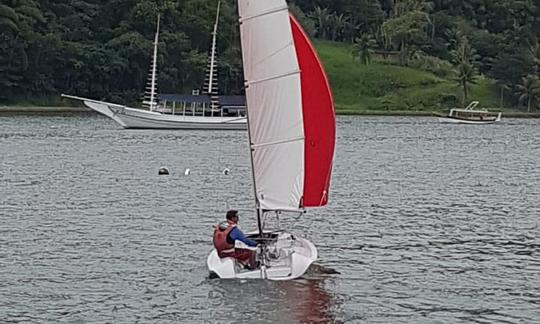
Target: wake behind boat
x=291 y=129
x=470 y=115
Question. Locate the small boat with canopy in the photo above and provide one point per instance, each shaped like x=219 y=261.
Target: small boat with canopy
x=471 y=115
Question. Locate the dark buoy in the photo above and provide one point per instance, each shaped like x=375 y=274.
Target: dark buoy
x=163 y=171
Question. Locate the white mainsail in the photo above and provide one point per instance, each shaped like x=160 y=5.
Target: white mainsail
x=274 y=100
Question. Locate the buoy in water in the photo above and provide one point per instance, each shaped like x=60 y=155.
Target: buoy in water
x=187 y=172
x=226 y=171
x=163 y=171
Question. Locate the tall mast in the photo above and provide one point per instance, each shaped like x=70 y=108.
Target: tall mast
x=212 y=87
x=154 y=63
x=251 y=150
x=150 y=93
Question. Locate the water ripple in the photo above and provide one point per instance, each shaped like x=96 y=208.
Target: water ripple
x=427 y=223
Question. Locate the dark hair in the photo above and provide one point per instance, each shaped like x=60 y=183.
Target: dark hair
x=231 y=214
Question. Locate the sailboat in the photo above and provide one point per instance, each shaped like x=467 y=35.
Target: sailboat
x=291 y=127
x=202 y=113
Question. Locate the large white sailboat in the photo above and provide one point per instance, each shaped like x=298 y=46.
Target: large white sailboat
x=203 y=114
x=291 y=126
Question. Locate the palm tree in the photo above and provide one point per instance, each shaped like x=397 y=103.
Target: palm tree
x=529 y=90
x=464 y=57
x=338 y=25
x=504 y=87
x=322 y=18
x=8 y=18
x=465 y=76
x=362 y=49
x=534 y=52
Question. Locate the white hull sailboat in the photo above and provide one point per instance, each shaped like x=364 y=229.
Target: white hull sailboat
x=286 y=257
x=154 y=118
x=133 y=118
x=291 y=127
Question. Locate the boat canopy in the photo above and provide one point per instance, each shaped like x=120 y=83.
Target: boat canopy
x=232 y=101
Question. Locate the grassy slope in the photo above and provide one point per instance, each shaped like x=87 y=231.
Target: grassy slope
x=381 y=86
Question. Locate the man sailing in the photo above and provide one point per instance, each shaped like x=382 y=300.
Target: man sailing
x=226 y=234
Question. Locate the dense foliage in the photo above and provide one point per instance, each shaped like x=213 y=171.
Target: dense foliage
x=102 y=48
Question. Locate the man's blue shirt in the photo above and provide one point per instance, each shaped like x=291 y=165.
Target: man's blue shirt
x=236 y=234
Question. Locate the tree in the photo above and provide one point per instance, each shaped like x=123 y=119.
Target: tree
x=464 y=57
x=504 y=87
x=8 y=19
x=407 y=32
x=363 y=49
x=338 y=25
x=529 y=90
x=323 y=21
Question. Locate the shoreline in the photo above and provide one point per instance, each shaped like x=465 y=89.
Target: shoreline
x=43 y=109
x=380 y=113
x=406 y=113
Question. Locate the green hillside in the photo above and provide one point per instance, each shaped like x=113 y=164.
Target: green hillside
x=383 y=86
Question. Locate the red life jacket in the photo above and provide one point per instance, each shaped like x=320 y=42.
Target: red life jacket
x=220 y=240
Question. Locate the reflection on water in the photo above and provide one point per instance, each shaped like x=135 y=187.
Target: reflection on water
x=299 y=301
x=427 y=223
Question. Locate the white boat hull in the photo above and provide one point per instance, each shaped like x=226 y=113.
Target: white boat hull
x=449 y=120
x=104 y=109
x=138 y=118
x=289 y=258
x=145 y=119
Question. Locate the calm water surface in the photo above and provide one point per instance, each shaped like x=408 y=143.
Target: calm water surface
x=427 y=223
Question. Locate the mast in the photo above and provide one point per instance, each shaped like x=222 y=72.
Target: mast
x=154 y=65
x=212 y=73
x=151 y=103
x=251 y=150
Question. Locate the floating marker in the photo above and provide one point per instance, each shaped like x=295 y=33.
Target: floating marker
x=187 y=172
x=226 y=171
x=163 y=171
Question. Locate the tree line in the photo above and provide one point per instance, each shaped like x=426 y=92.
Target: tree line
x=458 y=39
x=102 y=48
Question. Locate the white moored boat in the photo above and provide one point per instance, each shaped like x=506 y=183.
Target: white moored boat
x=203 y=114
x=470 y=115
x=291 y=127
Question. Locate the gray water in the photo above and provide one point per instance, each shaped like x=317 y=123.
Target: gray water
x=427 y=223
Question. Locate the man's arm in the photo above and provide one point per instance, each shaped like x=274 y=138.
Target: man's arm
x=236 y=234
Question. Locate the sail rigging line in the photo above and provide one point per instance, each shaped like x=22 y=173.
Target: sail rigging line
x=276 y=52
x=284 y=141
x=257 y=203
x=274 y=77
x=265 y=13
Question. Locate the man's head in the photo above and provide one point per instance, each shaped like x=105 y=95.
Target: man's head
x=232 y=215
